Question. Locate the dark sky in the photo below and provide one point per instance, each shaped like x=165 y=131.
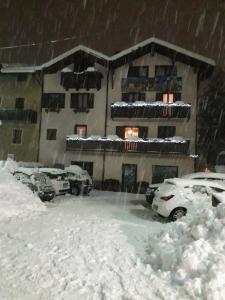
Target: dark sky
x=113 y=25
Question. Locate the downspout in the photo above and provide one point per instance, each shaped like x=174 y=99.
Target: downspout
x=196 y=120
x=40 y=119
x=106 y=119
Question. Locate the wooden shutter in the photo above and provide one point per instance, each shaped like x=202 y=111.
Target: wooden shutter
x=90 y=101
x=74 y=101
x=143 y=132
x=120 y=131
x=45 y=100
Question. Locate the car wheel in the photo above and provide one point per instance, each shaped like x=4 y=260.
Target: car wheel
x=177 y=213
x=75 y=191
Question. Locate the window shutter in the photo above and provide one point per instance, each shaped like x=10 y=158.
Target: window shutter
x=143 y=132
x=120 y=131
x=91 y=101
x=45 y=101
x=74 y=101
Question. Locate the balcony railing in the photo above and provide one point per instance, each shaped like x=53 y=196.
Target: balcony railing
x=18 y=115
x=89 y=80
x=124 y=146
x=150 y=110
x=158 y=83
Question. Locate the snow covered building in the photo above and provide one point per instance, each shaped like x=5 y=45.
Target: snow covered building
x=130 y=116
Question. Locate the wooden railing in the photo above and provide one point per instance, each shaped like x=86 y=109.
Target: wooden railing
x=162 y=111
x=128 y=146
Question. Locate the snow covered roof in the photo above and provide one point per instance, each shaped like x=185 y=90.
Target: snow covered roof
x=112 y=60
x=52 y=171
x=190 y=182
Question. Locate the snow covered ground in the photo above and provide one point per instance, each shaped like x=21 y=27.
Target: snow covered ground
x=95 y=248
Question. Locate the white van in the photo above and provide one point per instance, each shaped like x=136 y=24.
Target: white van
x=58 y=179
x=31 y=176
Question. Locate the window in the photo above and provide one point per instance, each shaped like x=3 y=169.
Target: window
x=166 y=131
x=138 y=71
x=17 y=136
x=125 y=131
x=0 y=101
x=81 y=130
x=19 y=103
x=168 y=98
x=165 y=71
x=53 y=101
x=159 y=173
x=132 y=97
x=82 y=101
x=86 y=165
x=22 y=77
x=131 y=131
x=51 y=134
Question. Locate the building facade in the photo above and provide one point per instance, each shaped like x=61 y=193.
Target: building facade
x=132 y=121
x=20 y=95
x=129 y=117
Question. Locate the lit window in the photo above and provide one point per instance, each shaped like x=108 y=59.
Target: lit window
x=81 y=130
x=131 y=131
x=168 y=98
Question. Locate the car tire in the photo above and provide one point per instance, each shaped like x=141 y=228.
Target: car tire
x=75 y=191
x=177 y=213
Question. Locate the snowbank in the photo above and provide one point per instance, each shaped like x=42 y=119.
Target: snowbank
x=190 y=254
x=15 y=198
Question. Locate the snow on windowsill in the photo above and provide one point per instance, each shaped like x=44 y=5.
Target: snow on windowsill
x=149 y=104
x=175 y=139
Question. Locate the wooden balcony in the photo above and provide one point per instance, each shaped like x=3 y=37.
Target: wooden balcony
x=123 y=146
x=151 y=110
x=157 y=84
x=18 y=115
x=89 y=80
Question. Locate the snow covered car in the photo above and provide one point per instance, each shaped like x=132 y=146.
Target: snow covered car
x=79 y=179
x=37 y=182
x=177 y=196
x=58 y=179
x=211 y=176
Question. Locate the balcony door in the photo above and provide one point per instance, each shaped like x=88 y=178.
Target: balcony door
x=129 y=177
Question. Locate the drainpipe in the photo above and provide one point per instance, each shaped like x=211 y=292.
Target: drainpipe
x=106 y=119
x=196 y=119
x=40 y=119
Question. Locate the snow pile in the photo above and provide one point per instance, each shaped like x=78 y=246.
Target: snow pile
x=190 y=254
x=16 y=198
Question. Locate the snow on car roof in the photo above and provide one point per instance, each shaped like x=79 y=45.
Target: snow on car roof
x=74 y=169
x=53 y=171
x=205 y=175
x=27 y=171
x=190 y=182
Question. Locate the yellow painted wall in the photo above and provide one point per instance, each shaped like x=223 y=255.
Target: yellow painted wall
x=30 y=90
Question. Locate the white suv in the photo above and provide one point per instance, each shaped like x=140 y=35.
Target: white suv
x=176 y=196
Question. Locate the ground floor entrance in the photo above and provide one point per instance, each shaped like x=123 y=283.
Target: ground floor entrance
x=129 y=177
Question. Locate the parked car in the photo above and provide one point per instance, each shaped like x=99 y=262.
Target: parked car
x=37 y=182
x=58 y=179
x=211 y=176
x=79 y=179
x=176 y=196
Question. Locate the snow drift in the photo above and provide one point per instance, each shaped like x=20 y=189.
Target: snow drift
x=190 y=255
x=15 y=198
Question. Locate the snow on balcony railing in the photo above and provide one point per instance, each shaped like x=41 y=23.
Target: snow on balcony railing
x=76 y=137
x=150 y=104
